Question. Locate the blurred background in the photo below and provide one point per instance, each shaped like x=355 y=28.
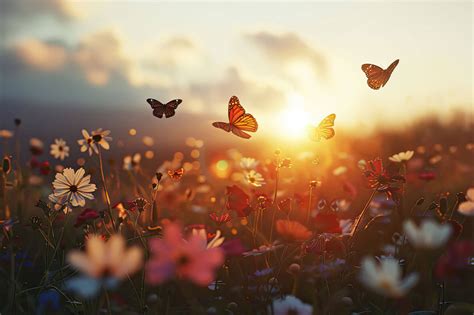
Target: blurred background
x=68 y=65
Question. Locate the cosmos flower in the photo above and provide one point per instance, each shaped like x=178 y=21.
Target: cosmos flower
x=172 y=256
x=385 y=278
x=402 y=156
x=220 y=218
x=101 y=138
x=238 y=201
x=103 y=264
x=467 y=207
x=6 y=134
x=87 y=143
x=254 y=178
x=290 y=305
x=292 y=230
x=248 y=163
x=429 y=235
x=215 y=241
x=74 y=185
x=59 y=149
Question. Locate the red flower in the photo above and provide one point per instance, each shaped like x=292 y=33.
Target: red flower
x=220 y=218
x=238 y=201
x=86 y=216
x=34 y=163
x=427 y=175
x=327 y=222
x=44 y=168
x=453 y=264
x=384 y=179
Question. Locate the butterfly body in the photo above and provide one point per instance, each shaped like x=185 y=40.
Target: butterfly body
x=160 y=109
x=239 y=121
x=376 y=76
x=324 y=130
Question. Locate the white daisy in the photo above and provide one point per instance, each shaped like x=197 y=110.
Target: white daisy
x=254 y=178
x=248 y=163
x=216 y=241
x=402 y=156
x=87 y=143
x=74 y=186
x=290 y=304
x=428 y=235
x=385 y=278
x=59 y=149
x=467 y=207
x=101 y=138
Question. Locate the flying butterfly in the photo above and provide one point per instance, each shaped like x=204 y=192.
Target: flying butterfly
x=323 y=130
x=376 y=76
x=239 y=121
x=176 y=174
x=160 y=109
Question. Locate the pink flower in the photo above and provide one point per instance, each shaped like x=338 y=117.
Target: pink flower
x=190 y=259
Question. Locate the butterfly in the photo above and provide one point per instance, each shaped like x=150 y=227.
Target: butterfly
x=167 y=109
x=177 y=174
x=324 y=129
x=376 y=76
x=239 y=121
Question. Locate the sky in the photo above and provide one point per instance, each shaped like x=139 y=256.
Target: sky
x=290 y=63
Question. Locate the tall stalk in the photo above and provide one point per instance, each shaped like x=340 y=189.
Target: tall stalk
x=104 y=184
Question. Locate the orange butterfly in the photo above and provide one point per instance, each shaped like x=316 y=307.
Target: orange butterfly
x=324 y=129
x=239 y=121
x=177 y=174
x=376 y=76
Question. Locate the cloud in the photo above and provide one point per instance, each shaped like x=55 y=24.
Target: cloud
x=100 y=55
x=41 y=55
x=16 y=14
x=289 y=49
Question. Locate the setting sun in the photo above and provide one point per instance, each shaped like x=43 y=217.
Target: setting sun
x=294 y=119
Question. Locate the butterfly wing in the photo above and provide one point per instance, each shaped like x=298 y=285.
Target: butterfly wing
x=222 y=125
x=158 y=107
x=169 y=108
x=239 y=120
x=324 y=129
x=236 y=131
x=376 y=76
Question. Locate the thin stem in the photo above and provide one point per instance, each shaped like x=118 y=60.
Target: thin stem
x=277 y=176
x=308 y=212
x=362 y=214
x=107 y=198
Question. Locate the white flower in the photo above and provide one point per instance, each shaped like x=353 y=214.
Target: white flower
x=254 y=178
x=290 y=304
x=429 y=235
x=74 y=186
x=103 y=264
x=59 y=203
x=467 y=207
x=248 y=163
x=386 y=278
x=402 y=156
x=92 y=142
x=216 y=241
x=87 y=144
x=59 y=149
x=101 y=138
x=339 y=170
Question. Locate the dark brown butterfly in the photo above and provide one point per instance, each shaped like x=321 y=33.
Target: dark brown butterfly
x=376 y=76
x=167 y=109
x=177 y=174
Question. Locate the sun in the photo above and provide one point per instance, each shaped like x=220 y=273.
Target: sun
x=294 y=119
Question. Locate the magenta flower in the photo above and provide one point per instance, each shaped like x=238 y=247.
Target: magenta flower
x=189 y=259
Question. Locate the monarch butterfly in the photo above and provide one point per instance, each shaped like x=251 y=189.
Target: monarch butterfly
x=239 y=121
x=176 y=174
x=324 y=129
x=376 y=76
x=167 y=109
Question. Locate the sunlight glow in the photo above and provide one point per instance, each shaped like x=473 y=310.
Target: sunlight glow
x=294 y=119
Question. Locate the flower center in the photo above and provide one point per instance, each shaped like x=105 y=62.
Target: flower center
x=73 y=188
x=97 y=138
x=60 y=148
x=182 y=260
